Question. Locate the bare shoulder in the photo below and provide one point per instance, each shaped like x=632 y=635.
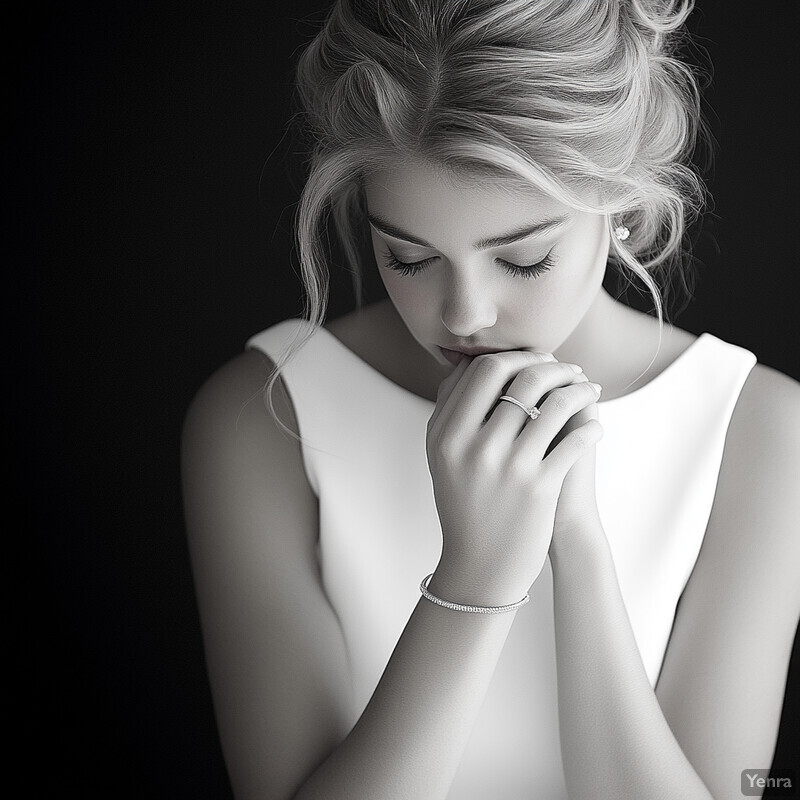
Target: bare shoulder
x=765 y=382
x=233 y=388
x=767 y=410
x=237 y=462
x=756 y=505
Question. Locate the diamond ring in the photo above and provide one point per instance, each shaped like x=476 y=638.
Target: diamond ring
x=532 y=412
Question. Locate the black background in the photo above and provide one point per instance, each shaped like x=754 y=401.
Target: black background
x=150 y=236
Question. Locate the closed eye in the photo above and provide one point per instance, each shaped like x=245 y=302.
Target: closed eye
x=518 y=270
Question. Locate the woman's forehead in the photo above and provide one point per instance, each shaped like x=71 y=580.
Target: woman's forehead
x=415 y=196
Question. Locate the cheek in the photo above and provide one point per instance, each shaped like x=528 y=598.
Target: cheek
x=584 y=264
x=405 y=292
x=553 y=307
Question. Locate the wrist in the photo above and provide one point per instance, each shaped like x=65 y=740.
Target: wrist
x=473 y=587
x=581 y=549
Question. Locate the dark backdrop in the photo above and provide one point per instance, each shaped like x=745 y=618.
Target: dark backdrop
x=143 y=255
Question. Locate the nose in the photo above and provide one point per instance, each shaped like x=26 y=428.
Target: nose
x=467 y=309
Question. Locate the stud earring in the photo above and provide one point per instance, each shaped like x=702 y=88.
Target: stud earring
x=622 y=232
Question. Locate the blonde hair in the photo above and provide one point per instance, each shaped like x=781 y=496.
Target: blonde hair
x=567 y=95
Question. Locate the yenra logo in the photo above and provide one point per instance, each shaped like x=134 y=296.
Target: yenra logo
x=780 y=781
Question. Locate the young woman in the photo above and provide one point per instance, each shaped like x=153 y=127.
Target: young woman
x=498 y=536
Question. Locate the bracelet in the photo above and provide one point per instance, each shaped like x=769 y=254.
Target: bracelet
x=423 y=587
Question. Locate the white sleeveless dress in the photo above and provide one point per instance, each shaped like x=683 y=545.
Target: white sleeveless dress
x=364 y=456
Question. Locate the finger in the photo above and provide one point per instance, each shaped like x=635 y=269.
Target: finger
x=567 y=452
x=557 y=409
x=481 y=385
x=575 y=421
x=530 y=386
x=446 y=388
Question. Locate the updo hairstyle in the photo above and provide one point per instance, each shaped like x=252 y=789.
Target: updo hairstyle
x=583 y=99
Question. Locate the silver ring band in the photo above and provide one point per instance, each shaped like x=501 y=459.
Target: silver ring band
x=532 y=412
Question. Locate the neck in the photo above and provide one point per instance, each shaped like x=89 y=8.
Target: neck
x=615 y=345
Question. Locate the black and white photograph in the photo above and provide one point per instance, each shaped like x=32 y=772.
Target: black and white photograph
x=404 y=399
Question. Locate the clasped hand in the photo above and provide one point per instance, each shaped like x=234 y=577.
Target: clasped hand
x=506 y=486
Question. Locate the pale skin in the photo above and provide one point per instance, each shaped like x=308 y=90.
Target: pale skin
x=716 y=707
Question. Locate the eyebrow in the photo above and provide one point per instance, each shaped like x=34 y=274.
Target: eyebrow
x=384 y=226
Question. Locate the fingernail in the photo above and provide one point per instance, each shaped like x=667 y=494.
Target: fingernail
x=547 y=356
x=574 y=367
x=597 y=387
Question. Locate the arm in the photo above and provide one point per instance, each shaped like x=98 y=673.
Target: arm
x=615 y=740
x=410 y=739
x=722 y=693
x=276 y=656
x=717 y=705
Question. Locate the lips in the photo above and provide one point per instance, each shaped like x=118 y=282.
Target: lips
x=454 y=356
x=474 y=351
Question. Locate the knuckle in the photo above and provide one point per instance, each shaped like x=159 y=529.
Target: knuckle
x=560 y=399
x=488 y=366
x=538 y=356
x=530 y=377
x=586 y=435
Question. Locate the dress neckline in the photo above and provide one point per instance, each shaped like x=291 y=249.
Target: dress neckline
x=667 y=371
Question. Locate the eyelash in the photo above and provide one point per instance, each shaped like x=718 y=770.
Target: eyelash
x=526 y=272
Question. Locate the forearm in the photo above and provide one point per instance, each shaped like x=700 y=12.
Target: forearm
x=409 y=741
x=615 y=740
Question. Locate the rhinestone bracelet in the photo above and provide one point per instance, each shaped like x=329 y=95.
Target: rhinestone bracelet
x=423 y=587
